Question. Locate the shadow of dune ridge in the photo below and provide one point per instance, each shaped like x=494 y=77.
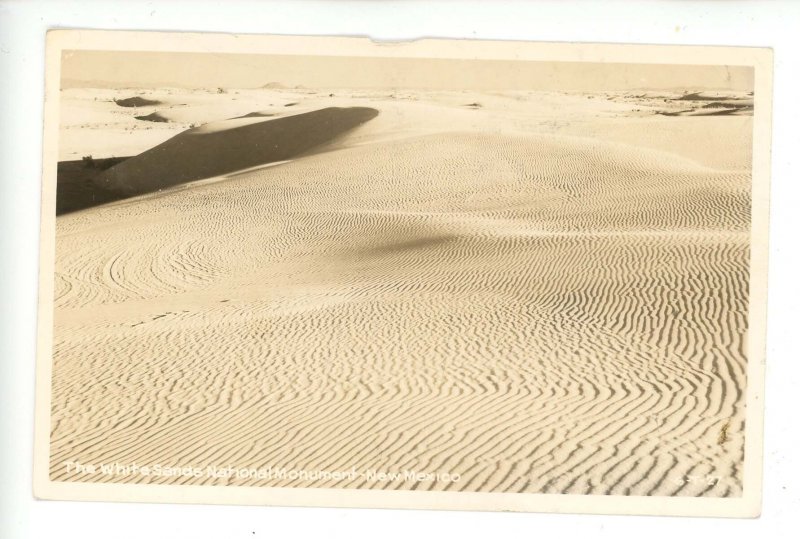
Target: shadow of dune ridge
x=211 y=151
x=75 y=185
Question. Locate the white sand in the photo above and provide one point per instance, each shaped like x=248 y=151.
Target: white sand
x=542 y=293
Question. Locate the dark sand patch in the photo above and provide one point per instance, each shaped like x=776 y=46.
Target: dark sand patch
x=154 y=117
x=136 y=102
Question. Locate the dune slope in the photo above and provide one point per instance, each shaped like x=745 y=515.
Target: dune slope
x=537 y=313
x=228 y=146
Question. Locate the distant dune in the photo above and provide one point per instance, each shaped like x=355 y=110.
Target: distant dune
x=136 y=102
x=257 y=114
x=545 y=293
x=706 y=103
x=715 y=96
x=153 y=117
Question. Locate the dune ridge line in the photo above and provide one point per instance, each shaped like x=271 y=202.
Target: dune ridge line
x=210 y=151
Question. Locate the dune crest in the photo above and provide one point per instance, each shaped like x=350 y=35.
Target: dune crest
x=211 y=151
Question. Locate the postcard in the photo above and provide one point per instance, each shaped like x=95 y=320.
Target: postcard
x=441 y=274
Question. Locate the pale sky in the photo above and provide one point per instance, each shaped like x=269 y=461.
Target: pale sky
x=210 y=70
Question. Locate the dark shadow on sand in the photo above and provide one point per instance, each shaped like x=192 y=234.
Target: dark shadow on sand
x=201 y=153
x=75 y=186
x=136 y=102
x=206 y=152
x=152 y=117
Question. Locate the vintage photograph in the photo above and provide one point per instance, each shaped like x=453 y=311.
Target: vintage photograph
x=372 y=269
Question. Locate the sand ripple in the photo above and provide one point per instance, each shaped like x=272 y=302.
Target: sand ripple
x=535 y=313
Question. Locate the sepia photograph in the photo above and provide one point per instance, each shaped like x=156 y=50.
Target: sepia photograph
x=444 y=274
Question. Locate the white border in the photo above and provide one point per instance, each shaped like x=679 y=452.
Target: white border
x=22 y=27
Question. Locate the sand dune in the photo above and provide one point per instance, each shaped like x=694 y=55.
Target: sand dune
x=535 y=306
x=256 y=114
x=224 y=147
x=153 y=117
x=93 y=123
x=136 y=101
x=706 y=103
x=716 y=96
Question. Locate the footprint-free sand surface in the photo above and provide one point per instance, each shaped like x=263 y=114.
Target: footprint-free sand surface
x=535 y=292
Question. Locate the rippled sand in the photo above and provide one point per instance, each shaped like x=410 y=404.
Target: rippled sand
x=537 y=292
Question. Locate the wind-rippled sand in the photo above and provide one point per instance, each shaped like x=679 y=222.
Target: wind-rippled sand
x=539 y=299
